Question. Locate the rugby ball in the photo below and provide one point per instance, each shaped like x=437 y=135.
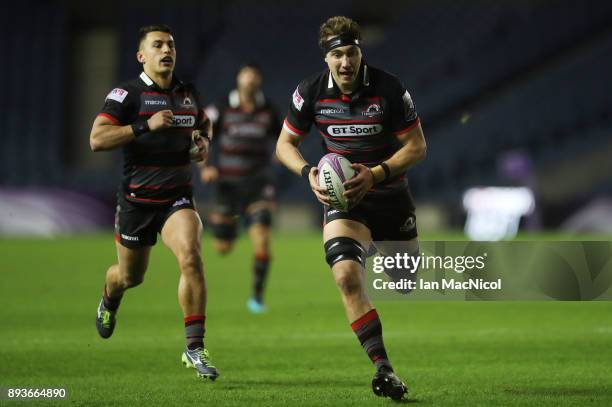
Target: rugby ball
x=334 y=170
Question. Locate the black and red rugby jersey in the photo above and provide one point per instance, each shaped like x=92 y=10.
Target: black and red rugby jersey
x=157 y=168
x=244 y=140
x=362 y=127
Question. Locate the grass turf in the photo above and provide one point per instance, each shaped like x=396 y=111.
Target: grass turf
x=300 y=353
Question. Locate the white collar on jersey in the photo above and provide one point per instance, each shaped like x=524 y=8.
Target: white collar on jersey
x=145 y=78
x=366 y=78
x=234 y=99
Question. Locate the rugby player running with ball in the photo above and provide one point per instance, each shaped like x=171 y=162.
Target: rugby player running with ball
x=366 y=115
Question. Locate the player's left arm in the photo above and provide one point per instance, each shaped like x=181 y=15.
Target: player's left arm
x=208 y=172
x=413 y=150
x=201 y=135
x=406 y=126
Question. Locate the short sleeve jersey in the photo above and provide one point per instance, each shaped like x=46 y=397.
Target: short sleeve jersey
x=157 y=167
x=243 y=139
x=363 y=126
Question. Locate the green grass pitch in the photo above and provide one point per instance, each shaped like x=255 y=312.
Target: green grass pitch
x=302 y=353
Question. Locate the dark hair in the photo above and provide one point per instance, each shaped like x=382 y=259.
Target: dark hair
x=338 y=25
x=249 y=65
x=143 y=31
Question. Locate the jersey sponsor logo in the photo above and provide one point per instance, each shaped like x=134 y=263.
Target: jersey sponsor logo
x=331 y=111
x=247 y=130
x=355 y=130
x=183 y=121
x=373 y=110
x=298 y=100
x=117 y=94
x=155 y=102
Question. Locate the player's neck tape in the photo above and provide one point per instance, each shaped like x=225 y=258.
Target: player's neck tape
x=340 y=41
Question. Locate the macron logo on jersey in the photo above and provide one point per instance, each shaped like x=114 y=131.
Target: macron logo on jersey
x=117 y=94
x=129 y=238
x=298 y=100
x=155 y=102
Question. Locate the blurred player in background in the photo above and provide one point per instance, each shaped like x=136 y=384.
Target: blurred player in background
x=155 y=119
x=368 y=116
x=246 y=126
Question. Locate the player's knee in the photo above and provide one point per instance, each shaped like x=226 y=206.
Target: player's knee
x=262 y=255
x=260 y=217
x=347 y=278
x=190 y=260
x=132 y=280
x=226 y=232
x=223 y=246
x=261 y=244
x=130 y=274
x=344 y=248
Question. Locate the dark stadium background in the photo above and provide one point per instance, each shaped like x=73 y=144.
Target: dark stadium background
x=491 y=81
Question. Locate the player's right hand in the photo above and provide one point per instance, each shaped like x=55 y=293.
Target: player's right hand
x=320 y=192
x=209 y=174
x=161 y=120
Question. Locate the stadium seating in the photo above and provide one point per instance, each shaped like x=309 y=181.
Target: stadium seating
x=558 y=113
x=486 y=77
x=32 y=108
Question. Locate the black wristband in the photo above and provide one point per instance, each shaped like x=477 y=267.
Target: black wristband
x=306 y=171
x=140 y=128
x=386 y=169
